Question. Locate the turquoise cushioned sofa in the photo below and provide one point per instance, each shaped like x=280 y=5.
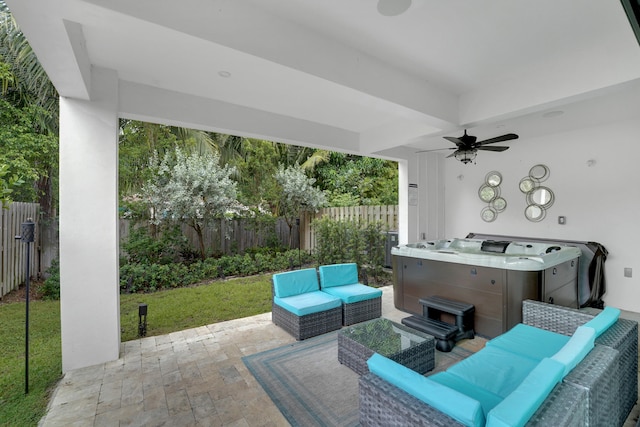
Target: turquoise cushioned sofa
x=570 y=373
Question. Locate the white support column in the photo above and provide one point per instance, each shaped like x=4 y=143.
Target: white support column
x=89 y=273
x=408 y=205
x=432 y=215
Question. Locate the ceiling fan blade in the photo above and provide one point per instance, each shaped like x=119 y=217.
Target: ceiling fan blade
x=452 y=154
x=455 y=140
x=436 y=149
x=494 y=148
x=506 y=137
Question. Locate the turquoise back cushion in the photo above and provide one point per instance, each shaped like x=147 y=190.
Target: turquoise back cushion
x=338 y=275
x=578 y=346
x=446 y=400
x=530 y=342
x=517 y=408
x=604 y=320
x=295 y=282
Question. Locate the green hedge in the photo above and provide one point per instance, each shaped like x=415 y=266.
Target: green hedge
x=142 y=277
x=137 y=277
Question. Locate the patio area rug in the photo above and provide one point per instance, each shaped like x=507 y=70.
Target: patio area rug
x=311 y=388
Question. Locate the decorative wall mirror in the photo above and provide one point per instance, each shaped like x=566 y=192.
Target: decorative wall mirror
x=488 y=214
x=539 y=173
x=489 y=192
x=493 y=179
x=535 y=213
x=499 y=204
x=539 y=198
x=527 y=184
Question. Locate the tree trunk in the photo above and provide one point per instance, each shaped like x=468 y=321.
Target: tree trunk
x=198 y=229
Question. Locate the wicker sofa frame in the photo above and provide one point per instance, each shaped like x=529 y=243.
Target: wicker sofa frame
x=309 y=325
x=361 y=311
x=601 y=390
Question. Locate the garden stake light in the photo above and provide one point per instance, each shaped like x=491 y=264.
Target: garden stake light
x=28 y=229
x=142 y=320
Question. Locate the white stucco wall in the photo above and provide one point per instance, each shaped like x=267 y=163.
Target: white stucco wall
x=601 y=202
x=89 y=285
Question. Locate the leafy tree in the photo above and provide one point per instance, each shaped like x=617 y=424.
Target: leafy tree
x=8 y=184
x=137 y=143
x=354 y=180
x=30 y=102
x=297 y=194
x=257 y=164
x=27 y=156
x=193 y=189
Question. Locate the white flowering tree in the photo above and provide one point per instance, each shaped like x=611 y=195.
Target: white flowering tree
x=193 y=189
x=298 y=194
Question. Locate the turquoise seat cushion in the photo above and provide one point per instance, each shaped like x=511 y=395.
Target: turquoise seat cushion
x=308 y=303
x=578 y=346
x=530 y=342
x=295 y=282
x=495 y=370
x=458 y=406
x=487 y=399
x=353 y=293
x=604 y=320
x=338 y=275
x=517 y=408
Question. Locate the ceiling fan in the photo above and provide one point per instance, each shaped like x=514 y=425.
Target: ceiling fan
x=467 y=146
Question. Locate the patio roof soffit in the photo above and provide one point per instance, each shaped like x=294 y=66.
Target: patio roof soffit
x=292 y=46
x=66 y=60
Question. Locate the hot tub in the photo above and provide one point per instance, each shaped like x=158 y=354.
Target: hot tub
x=495 y=276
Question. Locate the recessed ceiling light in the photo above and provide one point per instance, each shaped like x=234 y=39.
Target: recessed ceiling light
x=393 y=7
x=224 y=74
x=550 y=114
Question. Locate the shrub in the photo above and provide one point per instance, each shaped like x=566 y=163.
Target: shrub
x=350 y=241
x=169 y=247
x=51 y=288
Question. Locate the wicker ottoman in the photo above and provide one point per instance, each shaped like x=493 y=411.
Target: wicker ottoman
x=411 y=348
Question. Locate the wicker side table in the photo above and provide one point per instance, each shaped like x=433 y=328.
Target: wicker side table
x=411 y=348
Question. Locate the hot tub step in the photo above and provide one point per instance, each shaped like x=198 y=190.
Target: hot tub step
x=434 y=306
x=444 y=333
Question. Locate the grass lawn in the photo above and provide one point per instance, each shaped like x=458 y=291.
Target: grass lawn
x=168 y=311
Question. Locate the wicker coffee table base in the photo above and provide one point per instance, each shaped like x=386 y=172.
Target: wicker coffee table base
x=419 y=357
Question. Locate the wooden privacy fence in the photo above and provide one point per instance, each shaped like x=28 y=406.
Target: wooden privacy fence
x=229 y=237
x=12 y=251
x=387 y=214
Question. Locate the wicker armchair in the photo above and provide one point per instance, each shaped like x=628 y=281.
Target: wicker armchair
x=359 y=302
x=600 y=390
x=322 y=312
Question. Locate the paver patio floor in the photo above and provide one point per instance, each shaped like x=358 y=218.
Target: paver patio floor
x=194 y=377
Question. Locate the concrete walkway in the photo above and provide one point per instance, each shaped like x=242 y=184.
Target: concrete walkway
x=194 y=377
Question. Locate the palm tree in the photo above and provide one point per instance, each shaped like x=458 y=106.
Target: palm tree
x=26 y=84
x=31 y=85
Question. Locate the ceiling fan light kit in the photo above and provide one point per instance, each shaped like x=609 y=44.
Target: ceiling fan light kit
x=465 y=156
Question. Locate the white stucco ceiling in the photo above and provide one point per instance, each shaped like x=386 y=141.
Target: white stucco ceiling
x=337 y=74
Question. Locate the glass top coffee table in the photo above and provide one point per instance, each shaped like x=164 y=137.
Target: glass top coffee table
x=411 y=348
